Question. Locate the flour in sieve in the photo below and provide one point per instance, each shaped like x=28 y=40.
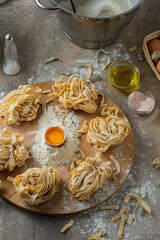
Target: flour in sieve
x=95 y=8
x=45 y=154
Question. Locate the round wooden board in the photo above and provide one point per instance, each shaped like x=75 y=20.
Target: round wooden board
x=63 y=202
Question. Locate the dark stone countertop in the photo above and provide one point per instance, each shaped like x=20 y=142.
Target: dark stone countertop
x=38 y=34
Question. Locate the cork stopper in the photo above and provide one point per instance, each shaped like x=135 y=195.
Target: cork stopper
x=9 y=38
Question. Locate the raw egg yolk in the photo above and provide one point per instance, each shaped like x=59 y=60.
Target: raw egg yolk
x=55 y=136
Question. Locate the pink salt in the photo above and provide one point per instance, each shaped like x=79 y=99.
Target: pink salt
x=140 y=102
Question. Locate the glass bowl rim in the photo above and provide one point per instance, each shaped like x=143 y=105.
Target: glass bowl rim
x=123 y=63
x=142 y=112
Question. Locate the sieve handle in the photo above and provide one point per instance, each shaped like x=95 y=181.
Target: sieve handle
x=54 y=9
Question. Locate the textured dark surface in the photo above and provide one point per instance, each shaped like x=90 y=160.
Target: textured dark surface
x=38 y=35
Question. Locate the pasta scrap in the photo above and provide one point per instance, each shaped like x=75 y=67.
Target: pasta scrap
x=110 y=207
x=97 y=236
x=60 y=111
x=37 y=185
x=68 y=225
x=119 y=215
x=74 y=93
x=156 y=163
x=89 y=75
x=9 y=178
x=117 y=166
x=121 y=226
x=130 y=219
x=83 y=129
x=20 y=105
x=40 y=90
x=102 y=104
x=140 y=201
x=12 y=150
x=132 y=49
x=109 y=111
x=107 y=64
x=89 y=177
x=78 y=159
x=107 y=132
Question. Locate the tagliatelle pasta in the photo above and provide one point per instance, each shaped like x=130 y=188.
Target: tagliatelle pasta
x=106 y=132
x=140 y=201
x=68 y=225
x=110 y=207
x=39 y=90
x=89 y=177
x=20 y=105
x=89 y=75
x=156 y=163
x=96 y=236
x=37 y=185
x=121 y=226
x=12 y=150
x=75 y=93
x=83 y=129
x=119 y=215
x=130 y=219
x=61 y=112
x=109 y=111
x=118 y=167
x=78 y=159
x=107 y=64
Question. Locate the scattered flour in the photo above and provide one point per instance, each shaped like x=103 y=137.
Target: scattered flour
x=96 y=219
x=145 y=227
x=47 y=72
x=48 y=155
x=31 y=80
x=1 y=96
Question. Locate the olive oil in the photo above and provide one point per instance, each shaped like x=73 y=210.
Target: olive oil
x=123 y=76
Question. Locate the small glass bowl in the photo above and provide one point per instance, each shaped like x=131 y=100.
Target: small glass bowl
x=123 y=63
x=147 y=94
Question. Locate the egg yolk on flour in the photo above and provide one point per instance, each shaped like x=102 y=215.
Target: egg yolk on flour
x=55 y=136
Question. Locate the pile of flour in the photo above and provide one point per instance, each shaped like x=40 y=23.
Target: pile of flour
x=95 y=8
x=45 y=154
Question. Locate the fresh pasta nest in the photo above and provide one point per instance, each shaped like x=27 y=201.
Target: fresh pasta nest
x=12 y=150
x=37 y=185
x=20 y=105
x=89 y=177
x=106 y=132
x=74 y=93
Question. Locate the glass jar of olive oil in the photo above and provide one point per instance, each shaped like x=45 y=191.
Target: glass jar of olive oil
x=123 y=75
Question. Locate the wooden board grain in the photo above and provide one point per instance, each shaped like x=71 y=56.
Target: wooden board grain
x=63 y=202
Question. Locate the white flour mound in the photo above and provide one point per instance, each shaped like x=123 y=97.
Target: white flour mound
x=45 y=154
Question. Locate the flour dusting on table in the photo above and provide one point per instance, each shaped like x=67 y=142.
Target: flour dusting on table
x=45 y=154
x=47 y=72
